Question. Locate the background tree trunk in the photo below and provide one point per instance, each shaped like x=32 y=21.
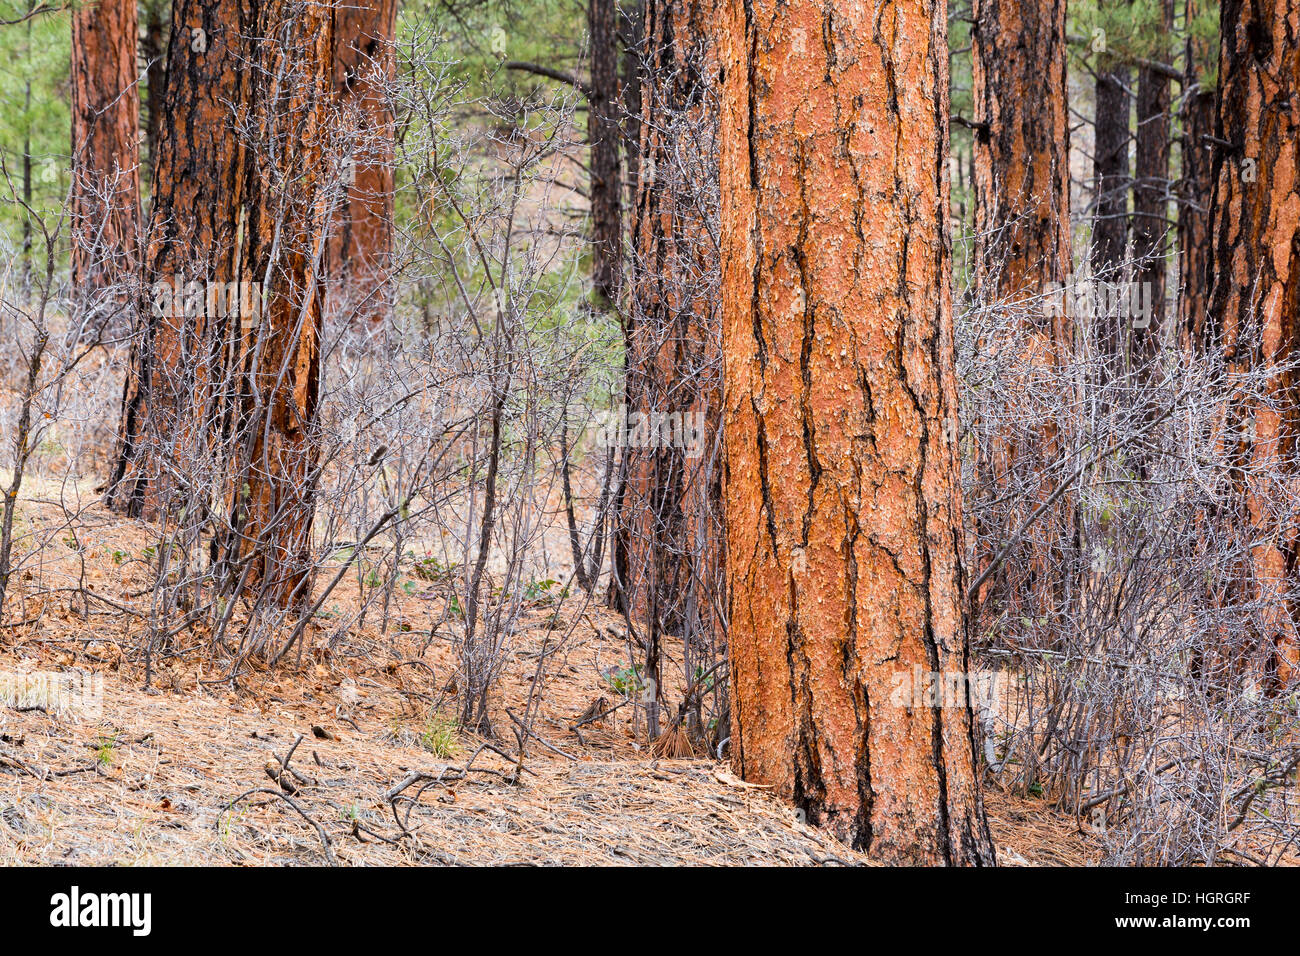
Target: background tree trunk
x=1021 y=148
x=1151 y=195
x=842 y=488
x=105 y=203
x=1195 y=189
x=672 y=507
x=604 y=130
x=1111 y=171
x=361 y=248
x=1021 y=151
x=153 y=50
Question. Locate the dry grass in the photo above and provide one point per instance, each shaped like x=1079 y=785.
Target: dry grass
x=162 y=775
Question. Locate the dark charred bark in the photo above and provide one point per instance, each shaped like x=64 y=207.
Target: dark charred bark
x=1194 y=193
x=1151 y=200
x=153 y=49
x=670 y=520
x=1111 y=171
x=604 y=131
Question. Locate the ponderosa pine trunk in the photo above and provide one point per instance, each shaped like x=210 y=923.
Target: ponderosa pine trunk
x=1021 y=155
x=361 y=249
x=1195 y=189
x=1021 y=149
x=273 y=492
x=105 y=107
x=1151 y=197
x=153 y=50
x=671 y=504
x=604 y=130
x=843 y=496
x=194 y=232
x=1111 y=171
x=1254 y=307
x=239 y=198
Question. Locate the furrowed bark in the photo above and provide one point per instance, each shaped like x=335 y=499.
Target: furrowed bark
x=1150 y=198
x=105 y=107
x=843 y=496
x=671 y=506
x=1022 y=248
x=361 y=248
x=272 y=498
x=1195 y=189
x=198 y=202
x=1254 y=308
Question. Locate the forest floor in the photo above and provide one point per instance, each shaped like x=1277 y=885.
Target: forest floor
x=189 y=770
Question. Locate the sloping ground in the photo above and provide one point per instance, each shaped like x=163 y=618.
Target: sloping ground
x=191 y=770
x=156 y=786
x=153 y=787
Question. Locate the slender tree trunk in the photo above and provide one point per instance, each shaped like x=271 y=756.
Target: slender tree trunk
x=194 y=232
x=1111 y=170
x=1195 y=189
x=1254 y=307
x=153 y=49
x=671 y=512
x=843 y=495
x=604 y=130
x=361 y=249
x=105 y=203
x=1151 y=198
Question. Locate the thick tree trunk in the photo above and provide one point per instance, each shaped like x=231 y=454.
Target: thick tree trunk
x=198 y=198
x=1195 y=189
x=843 y=496
x=671 y=507
x=1254 y=307
x=273 y=494
x=230 y=388
x=105 y=202
x=361 y=248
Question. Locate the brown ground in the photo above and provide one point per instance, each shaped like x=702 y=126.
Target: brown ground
x=162 y=775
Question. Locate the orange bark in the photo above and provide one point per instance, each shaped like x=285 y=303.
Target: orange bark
x=365 y=64
x=843 y=499
x=1021 y=147
x=1255 y=295
x=198 y=195
x=273 y=497
x=105 y=203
